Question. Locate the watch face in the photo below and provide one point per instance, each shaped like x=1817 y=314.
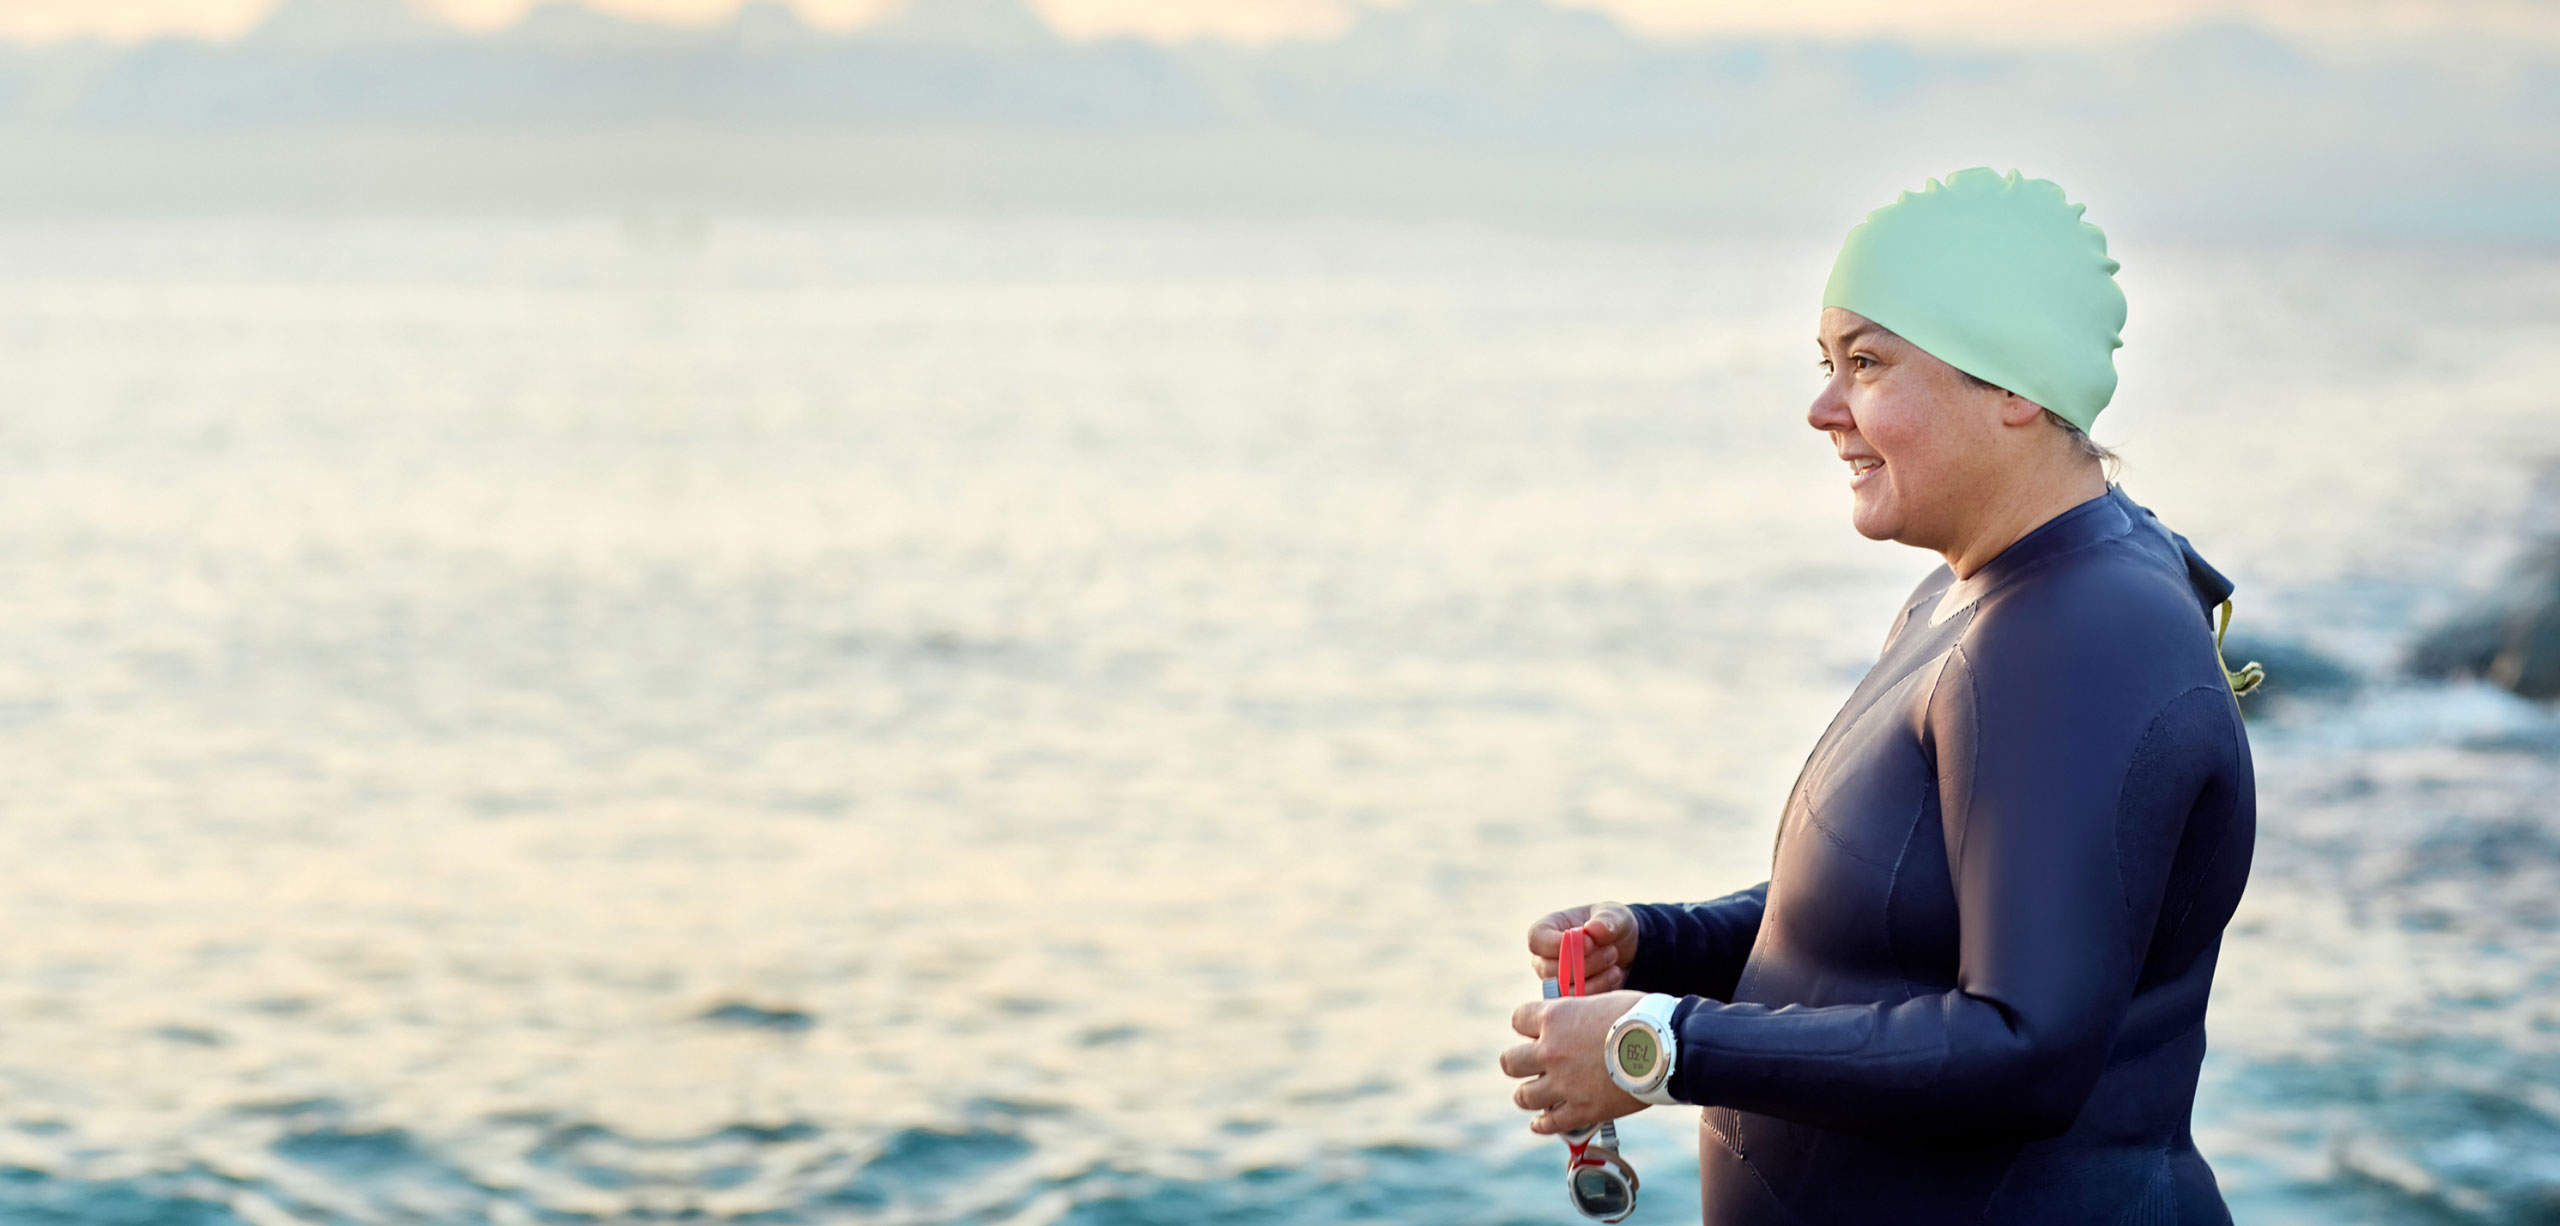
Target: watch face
x=1637 y=1053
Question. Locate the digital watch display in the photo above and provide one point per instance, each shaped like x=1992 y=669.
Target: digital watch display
x=1641 y=1050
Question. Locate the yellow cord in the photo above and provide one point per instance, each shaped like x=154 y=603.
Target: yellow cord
x=2250 y=674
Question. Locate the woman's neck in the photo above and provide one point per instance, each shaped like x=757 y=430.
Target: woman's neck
x=2022 y=506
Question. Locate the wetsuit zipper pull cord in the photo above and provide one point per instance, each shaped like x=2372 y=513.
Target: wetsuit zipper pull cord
x=2250 y=674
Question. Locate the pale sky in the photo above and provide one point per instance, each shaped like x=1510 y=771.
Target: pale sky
x=1991 y=21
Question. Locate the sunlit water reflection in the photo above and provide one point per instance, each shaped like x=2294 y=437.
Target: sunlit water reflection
x=1039 y=722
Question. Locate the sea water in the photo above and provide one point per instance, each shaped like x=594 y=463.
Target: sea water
x=1026 y=721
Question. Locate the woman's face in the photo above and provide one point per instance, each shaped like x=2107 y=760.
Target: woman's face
x=1918 y=436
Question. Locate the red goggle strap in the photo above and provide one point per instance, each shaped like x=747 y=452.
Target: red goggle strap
x=1572 y=980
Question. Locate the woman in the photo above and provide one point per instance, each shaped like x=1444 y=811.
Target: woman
x=1973 y=987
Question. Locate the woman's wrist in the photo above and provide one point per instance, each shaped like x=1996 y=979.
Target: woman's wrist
x=1643 y=1047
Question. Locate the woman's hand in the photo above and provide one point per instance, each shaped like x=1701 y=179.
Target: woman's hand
x=1613 y=943
x=1569 y=1084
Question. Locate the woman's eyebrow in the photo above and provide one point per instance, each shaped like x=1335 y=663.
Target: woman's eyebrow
x=1845 y=341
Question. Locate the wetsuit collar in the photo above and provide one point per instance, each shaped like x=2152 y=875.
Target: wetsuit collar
x=2102 y=518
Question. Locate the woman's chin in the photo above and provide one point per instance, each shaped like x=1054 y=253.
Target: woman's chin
x=1874 y=521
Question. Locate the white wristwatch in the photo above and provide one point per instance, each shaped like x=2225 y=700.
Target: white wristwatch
x=1642 y=1050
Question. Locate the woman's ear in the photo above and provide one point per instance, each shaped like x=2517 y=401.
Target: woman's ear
x=2017 y=410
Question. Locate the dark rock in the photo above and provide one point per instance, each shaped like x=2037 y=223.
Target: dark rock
x=2511 y=639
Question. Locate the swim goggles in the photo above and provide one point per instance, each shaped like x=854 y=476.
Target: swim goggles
x=1601 y=1184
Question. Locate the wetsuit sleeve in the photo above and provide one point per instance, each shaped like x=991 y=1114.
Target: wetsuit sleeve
x=1696 y=948
x=2064 y=776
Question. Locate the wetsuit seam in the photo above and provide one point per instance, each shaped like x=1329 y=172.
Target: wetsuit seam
x=1813 y=818
x=1818 y=768
x=1920 y=809
x=1893 y=882
x=2008 y=1170
x=2205 y=871
x=2124 y=888
x=2210 y=858
x=1827 y=746
x=1740 y=1150
x=1731 y=1145
x=1955 y=862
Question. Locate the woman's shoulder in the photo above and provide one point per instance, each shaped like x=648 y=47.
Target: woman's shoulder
x=2116 y=617
x=2122 y=582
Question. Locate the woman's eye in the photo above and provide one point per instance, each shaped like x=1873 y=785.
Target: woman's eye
x=1823 y=365
x=1856 y=358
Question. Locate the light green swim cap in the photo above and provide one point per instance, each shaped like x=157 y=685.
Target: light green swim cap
x=1997 y=277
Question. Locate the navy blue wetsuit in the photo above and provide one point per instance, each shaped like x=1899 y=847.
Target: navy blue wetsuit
x=1973 y=987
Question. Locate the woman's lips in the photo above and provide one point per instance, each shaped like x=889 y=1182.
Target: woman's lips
x=1863 y=470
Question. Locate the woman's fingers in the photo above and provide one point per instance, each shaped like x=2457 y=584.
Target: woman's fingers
x=1608 y=923
x=1600 y=967
x=1546 y=940
x=1546 y=937
x=1566 y=1082
x=1537 y=1095
x=1595 y=979
x=1614 y=926
x=1521 y=1061
x=1563 y=1117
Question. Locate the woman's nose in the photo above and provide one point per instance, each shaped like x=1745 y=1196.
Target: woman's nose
x=1830 y=409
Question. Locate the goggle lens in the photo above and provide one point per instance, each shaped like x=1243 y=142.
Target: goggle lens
x=1602 y=1185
